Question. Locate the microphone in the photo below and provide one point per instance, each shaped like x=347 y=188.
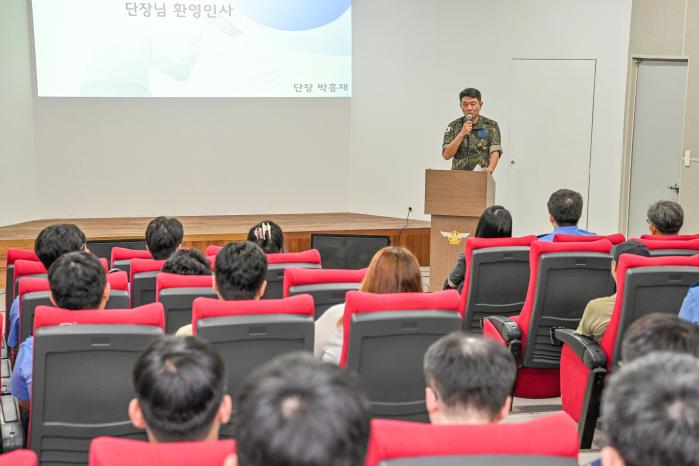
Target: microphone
x=469 y=117
x=410 y=210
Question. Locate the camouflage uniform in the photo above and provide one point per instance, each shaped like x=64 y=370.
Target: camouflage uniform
x=477 y=146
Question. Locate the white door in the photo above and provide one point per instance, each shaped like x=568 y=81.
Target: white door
x=656 y=154
x=550 y=137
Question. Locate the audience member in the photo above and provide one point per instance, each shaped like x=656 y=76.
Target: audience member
x=660 y=332
x=495 y=222
x=392 y=270
x=239 y=274
x=267 y=235
x=595 y=318
x=180 y=387
x=187 y=262
x=469 y=380
x=690 y=306
x=650 y=410
x=164 y=236
x=565 y=209
x=301 y=412
x=77 y=281
x=665 y=218
x=51 y=243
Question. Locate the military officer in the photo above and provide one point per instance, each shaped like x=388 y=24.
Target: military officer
x=474 y=141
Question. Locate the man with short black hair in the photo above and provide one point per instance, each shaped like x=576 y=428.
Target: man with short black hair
x=565 y=209
x=650 y=409
x=665 y=218
x=472 y=142
x=598 y=312
x=77 y=281
x=298 y=411
x=180 y=386
x=469 y=380
x=660 y=332
x=51 y=243
x=187 y=262
x=164 y=236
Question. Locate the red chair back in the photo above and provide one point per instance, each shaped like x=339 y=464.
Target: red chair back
x=212 y=250
x=294 y=276
x=150 y=314
x=15 y=254
x=123 y=254
x=615 y=238
x=18 y=458
x=166 y=281
x=670 y=237
x=671 y=245
x=109 y=451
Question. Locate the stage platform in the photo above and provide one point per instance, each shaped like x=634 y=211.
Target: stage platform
x=199 y=232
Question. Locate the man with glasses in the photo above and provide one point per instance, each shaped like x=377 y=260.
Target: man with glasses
x=472 y=141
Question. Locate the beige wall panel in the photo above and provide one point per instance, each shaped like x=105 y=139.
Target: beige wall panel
x=657 y=27
x=689 y=195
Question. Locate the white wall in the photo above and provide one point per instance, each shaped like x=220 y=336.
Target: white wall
x=17 y=175
x=411 y=59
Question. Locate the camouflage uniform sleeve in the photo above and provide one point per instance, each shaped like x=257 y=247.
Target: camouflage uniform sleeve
x=495 y=142
x=450 y=134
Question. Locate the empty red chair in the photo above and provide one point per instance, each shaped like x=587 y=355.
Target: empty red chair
x=121 y=257
x=644 y=285
x=670 y=237
x=564 y=278
x=212 y=250
x=277 y=263
x=615 y=238
x=13 y=255
x=672 y=247
x=496 y=279
x=142 y=277
x=385 y=338
x=25 y=268
x=177 y=293
x=18 y=458
x=107 y=451
x=328 y=287
x=550 y=437
x=81 y=382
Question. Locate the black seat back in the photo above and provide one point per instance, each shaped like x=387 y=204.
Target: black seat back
x=673 y=252
x=387 y=350
x=178 y=305
x=275 y=278
x=143 y=288
x=566 y=282
x=498 y=282
x=324 y=295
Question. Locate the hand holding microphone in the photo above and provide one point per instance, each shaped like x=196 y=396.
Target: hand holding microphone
x=468 y=125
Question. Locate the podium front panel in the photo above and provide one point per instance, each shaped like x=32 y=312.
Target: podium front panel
x=444 y=250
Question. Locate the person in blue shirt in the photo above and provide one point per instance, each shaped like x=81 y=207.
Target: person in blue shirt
x=690 y=306
x=77 y=281
x=52 y=242
x=565 y=209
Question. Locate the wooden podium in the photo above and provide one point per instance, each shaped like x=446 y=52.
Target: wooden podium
x=455 y=199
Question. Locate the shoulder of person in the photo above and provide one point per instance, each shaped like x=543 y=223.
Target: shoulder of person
x=694 y=288
x=487 y=121
x=458 y=123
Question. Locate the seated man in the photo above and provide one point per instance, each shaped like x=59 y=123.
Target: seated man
x=595 y=318
x=660 y=332
x=239 y=273
x=164 y=236
x=51 y=243
x=298 y=411
x=690 y=306
x=187 y=262
x=650 y=410
x=565 y=209
x=77 y=281
x=665 y=218
x=469 y=380
x=180 y=389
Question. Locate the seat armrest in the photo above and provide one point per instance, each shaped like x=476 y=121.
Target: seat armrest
x=507 y=328
x=585 y=348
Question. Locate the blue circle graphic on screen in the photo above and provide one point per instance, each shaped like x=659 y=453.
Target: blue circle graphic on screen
x=292 y=15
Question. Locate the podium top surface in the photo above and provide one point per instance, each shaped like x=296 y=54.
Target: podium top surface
x=458 y=193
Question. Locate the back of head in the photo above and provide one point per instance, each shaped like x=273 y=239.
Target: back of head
x=633 y=247
x=495 y=222
x=565 y=206
x=187 y=262
x=163 y=236
x=660 y=332
x=297 y=411
x=77 y=281
x=393 y=270
x=666 y=216
x=56 y=240
x=241 y=268
x=650 y=410
x=179 y=384
x=471 y=376
x=267 y=235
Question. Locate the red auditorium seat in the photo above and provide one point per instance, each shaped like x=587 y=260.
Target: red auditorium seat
x=121 y=257
x=615 y=238
x=552 y=436
x=142 y=278
x=644 y=285
x=670 y=237
x=385 y=339
x=497 y=275
x=672 y=247
x=212 y=250
x=564 y=277
x=13 y=255
x=18 y=458
x=277 y=263
x=252 y=332
x=177 y=293
x=106 y=451
x=328 y=287
x=81 y=382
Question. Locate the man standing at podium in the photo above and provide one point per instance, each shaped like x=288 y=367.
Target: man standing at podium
x=472 y=141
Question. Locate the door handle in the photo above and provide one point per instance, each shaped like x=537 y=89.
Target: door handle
x=675 y=187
